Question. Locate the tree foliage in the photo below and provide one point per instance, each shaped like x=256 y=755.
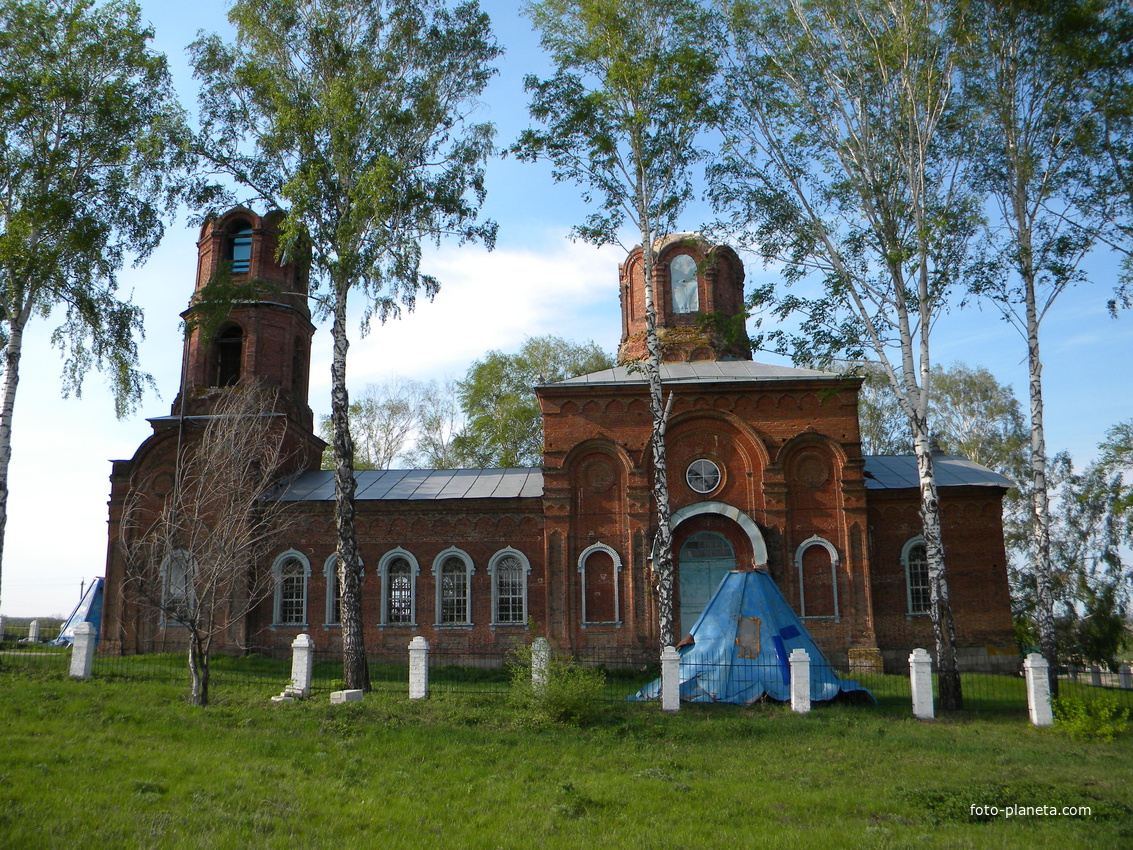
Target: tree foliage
x=971 y=414
x=90 y=166
x=196 y=557
x=383 y=418
x=504 y=423
x=838 y=163
x=1035 y=142
x=356 y=120
x=630 y=93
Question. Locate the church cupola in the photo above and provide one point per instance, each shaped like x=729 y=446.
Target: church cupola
x=698 y=293
x=248 y=319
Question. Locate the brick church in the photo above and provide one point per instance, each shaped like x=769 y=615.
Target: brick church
x=765 y=472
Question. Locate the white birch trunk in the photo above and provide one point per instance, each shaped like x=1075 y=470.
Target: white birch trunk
x=355 y=673
x=940 y=606
x=663 y=570
x=12 y=352
x=1040 y=498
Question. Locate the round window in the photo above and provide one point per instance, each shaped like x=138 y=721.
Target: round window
x=703 y=476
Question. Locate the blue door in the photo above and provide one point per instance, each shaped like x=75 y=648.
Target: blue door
x=704 y=560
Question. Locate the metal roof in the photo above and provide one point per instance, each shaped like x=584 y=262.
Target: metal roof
x=419 y=484
x=703 y=371
x=900 y=473
x=881 y=473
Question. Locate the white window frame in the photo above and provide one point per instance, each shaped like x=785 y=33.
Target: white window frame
x=524 y=571
x=835 y=560
x=616 y=558
x=330 y=574
x=276 y=571
x=383 y=570
x=469 y=571
x=906 y=551
x=714 y=465
x=189 y=590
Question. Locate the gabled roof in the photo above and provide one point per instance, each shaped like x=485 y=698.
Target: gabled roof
x=419 y=484
x=888 y=472
x=700 y=372
x=881 y=473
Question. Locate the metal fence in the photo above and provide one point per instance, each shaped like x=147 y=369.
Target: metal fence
x=997 y=689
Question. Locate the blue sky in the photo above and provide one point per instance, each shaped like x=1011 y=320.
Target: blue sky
x=535 y=282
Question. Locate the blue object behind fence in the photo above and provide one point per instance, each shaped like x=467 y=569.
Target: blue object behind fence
x=743 y=642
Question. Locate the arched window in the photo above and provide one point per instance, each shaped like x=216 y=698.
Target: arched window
x=240 y=247
x=177 y=572
x=509 y=568
x=599 y=566
x=817 y=561
x=334 y=592
x=298 y=370
x=452 y=571
x=914 y=557
x=683 y=284
x=291 y=571
x=398 y=569
x=229 y=354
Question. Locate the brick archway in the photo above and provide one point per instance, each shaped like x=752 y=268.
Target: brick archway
x=754 y=535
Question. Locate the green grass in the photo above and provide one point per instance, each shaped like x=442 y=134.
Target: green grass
x=117 y=763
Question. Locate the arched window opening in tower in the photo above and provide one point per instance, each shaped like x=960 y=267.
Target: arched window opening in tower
x=682 y=279
x=240 y=247
x=229 y=353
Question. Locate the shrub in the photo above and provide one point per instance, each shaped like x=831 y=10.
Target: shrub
x=1098 y=719
x=568 y=694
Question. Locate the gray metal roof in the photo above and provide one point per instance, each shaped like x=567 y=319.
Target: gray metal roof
x=900 y=472
x=881 y=473
x=419 y=484
x=703 y=371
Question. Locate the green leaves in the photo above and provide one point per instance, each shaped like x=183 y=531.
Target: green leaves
x=353 y=118
x=622 y=113
x=92 y=159
x=504 y=422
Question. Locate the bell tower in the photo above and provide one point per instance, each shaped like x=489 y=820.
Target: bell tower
x=248 y=318
x=698 y=294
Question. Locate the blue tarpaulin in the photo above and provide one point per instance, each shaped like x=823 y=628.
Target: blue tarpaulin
x=89 y=610
x=742 y=643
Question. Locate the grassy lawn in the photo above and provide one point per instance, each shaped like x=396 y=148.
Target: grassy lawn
x=118 y=763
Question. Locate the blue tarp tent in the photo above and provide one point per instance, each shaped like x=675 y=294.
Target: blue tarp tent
x=742 y=643
x=89 y=610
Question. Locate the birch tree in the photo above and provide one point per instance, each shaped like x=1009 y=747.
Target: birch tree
x=1030 y=79
x=621 y=116
x=196 y=557
x=837 y=164
x=356 y=119
x=89 y=155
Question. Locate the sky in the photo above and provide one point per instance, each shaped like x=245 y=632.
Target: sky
x=535 y=282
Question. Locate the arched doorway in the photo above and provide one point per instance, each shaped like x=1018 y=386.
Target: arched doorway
x=705 y=558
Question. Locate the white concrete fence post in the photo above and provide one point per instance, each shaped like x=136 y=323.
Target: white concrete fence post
x=920 y=683
x=800 y=681
x=670 y=679
x=1073 y=671
x=302 y=665
x=33 y=632
x=1 y=627
x=82 y=651
x=540 y=661
x=1038 y=690
x=418 y=668
x=1125 y=676
x=1095 y=675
